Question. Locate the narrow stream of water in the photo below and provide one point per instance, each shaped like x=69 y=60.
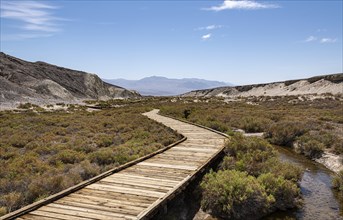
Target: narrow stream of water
x=320 y=201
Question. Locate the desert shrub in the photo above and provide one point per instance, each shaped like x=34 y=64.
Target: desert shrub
x=67 y=156
x=3 y=210
x=308 y=146
x=88 y=170
x=42 y=186
x=239 y=144
x=254 y=124
x=103 y=157
x=285 y=170
x=232 y=194
x=337 y=182
x=11 y=201
x=257 y=159
x=284 y=192
x=284 y=133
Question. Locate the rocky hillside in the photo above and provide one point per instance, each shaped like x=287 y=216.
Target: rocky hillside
x=316 y=85
x=39 y=82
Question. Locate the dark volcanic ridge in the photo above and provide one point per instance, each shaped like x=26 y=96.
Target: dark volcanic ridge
x=317 y=85
x=42 y=83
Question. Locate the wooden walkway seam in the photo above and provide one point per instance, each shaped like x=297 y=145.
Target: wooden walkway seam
x=135 y=190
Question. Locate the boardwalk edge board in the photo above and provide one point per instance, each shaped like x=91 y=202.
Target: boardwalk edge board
x=54 y=197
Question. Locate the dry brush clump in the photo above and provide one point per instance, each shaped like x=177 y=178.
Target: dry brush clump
x=252 y=182
x=46 y=152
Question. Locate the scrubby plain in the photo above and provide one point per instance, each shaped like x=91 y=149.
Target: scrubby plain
x=310 y=126
x=42 y=153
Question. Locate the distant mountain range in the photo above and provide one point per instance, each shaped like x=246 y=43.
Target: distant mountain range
x=332 y=84
x=39 y=82
x=162 y=86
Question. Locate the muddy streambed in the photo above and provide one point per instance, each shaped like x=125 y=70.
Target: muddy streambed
x=320 y=201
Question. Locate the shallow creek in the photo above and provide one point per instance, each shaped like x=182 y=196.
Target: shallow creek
x=320 y=201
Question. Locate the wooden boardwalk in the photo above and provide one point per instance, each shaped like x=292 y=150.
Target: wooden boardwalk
x=138 y=190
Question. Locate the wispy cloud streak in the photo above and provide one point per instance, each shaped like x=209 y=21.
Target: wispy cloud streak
x=311 y=38
x=35 y=16
x=328 y=40
x=209 y=27
x=244 y=4
x=206 y=36
x=323 y=40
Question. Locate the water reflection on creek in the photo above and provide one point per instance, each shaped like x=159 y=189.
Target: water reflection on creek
x=320 y=202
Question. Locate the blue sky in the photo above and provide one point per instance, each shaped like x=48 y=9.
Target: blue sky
x=241 y=42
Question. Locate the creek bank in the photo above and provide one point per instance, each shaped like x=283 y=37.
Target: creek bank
x=331 y=161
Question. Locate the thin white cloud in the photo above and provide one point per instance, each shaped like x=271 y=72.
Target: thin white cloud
x=322 y=40
x=34 y=16
x=15 y=37
x=311 y=38
x=327 y=40
x=243 y=4
x=209 y=27
x=206 y=36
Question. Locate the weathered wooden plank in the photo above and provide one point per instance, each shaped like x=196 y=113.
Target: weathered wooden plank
x=167 y=165
x=148 y=182
x=150 y=173
x=194 y=149
x=110 y=202
x=57 y=215
x=76 y=213
x=174 y=162
x=125 y=190
x=135 y=186
x=144 y=178
x=114 y=212
x=117 y=195
x=123 y=181
x=164 y=170
x=104 y=205
x=35 y=217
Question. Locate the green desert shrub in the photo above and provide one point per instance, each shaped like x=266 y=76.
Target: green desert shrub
x=232 y=194
x=254 y=124
x=284 y=192
x=67 y=157
x=103 y=157
x=239 y=145
x=285 y=133
x=257 y=160
x=309 y=147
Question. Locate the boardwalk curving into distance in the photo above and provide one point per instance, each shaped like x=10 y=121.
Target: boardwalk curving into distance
x=138 y=190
